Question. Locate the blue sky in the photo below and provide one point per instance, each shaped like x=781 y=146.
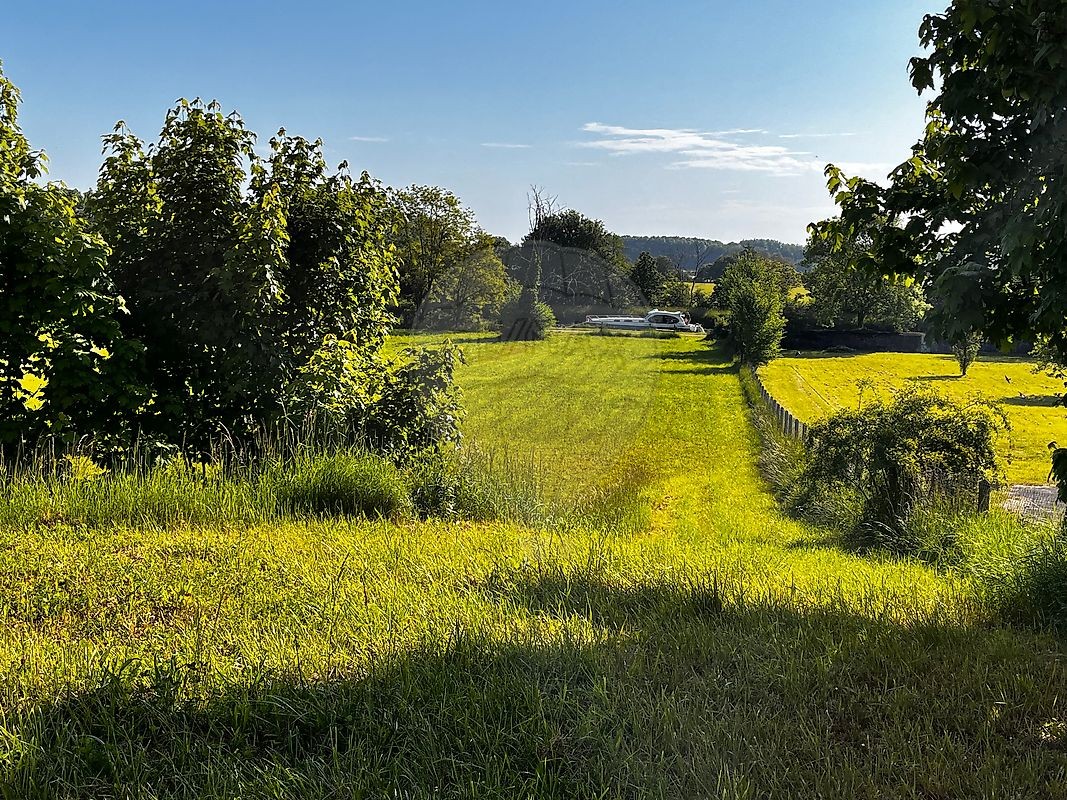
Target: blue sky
x=688 y=118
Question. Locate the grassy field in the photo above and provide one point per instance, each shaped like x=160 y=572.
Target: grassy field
x=707 y=648
x=705 y=289
x=812 y=385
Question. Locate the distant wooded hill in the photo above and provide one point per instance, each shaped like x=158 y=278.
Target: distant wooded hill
x=690 y=253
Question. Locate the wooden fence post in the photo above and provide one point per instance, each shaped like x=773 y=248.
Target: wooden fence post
x=984 y=492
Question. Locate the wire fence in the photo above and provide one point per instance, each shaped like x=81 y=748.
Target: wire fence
x=1036 y=503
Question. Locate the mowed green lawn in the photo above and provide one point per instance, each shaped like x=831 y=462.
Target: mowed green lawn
x=715 y=650
x=813 y=385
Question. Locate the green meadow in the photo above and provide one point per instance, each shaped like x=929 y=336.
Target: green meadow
x=699 y=645
x=813 y=385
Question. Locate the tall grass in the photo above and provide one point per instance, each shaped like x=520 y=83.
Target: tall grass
x=472 y=484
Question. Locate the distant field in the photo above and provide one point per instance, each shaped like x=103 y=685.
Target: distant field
x=707 y=289
x=704 y=288
x=813 y=385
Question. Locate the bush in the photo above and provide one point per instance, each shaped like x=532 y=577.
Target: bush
x=910 y=456
x=348 y=483
x=966 y=350
x=418 y=409
x=526 y=318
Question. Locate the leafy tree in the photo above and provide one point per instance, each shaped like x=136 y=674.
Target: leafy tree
x=339 y=271
x=752 y=265
x=647 y=277
x=472 y=294
x=570 y=228
x=847 y=287
x=667 y=267
x=434 y=233
x=200 y=264
x=983 y=192
x=65 y=367
x=675 y=293
x=757 y=322
x=754 y=292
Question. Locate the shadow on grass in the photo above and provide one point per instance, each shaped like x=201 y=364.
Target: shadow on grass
x=1035 y=401
x=687 y=688
x=709 y=360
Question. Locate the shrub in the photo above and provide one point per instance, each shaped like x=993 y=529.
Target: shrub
x=526 y=318
x=966 y=351
x=914 y=454
x=418 y=407
x=349 y=483
x=406 y=407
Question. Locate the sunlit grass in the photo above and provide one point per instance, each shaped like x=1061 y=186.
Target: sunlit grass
x=815 y=384
x=709 y=647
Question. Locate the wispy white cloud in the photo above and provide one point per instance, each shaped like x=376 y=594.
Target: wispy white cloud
x=724 y=150
x=695 y=149
x=507 y=145
x=368 y=139
x=842 y=135
x=581 y=163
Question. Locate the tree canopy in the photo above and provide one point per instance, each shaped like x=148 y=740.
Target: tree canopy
x=570 y=228
x=845 y=290
x=984 y=193
x=65 y=368
x=754 y=291
x=692 y=253
x=434 y=232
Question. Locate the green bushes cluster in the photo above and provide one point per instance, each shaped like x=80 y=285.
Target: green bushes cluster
x=899 y=458
x=202 y=291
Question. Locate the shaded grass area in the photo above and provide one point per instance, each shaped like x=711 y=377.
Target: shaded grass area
x=678 y=690
x=813 y=385
x=710 y=647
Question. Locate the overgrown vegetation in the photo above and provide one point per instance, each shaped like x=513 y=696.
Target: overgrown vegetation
x=901 y=458
x=206 y=292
